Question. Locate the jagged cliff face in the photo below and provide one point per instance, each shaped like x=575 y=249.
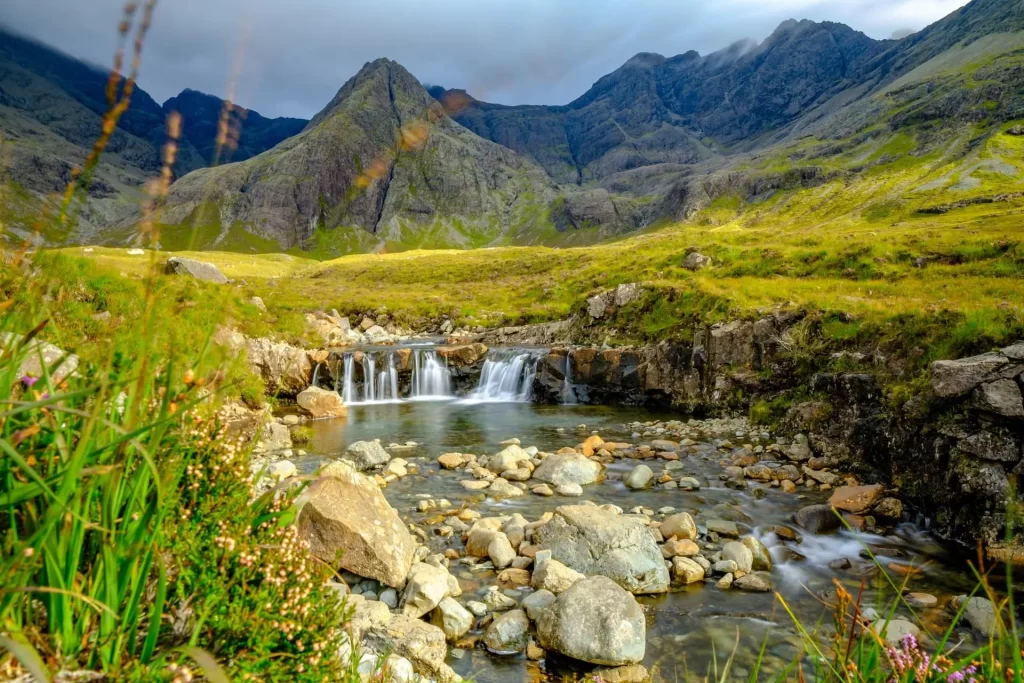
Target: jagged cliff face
x=381 y=157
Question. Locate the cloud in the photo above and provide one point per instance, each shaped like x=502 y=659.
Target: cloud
x=296 y=54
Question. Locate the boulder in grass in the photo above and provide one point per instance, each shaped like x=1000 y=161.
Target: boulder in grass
x=200 y=270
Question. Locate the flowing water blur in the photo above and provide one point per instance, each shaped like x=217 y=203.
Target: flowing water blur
x=691 y=626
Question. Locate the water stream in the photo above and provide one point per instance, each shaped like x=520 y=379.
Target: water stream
x=690 y=627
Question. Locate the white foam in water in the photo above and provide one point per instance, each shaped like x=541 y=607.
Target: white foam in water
x=818 y=551
x=507 y=377
x=431 y=379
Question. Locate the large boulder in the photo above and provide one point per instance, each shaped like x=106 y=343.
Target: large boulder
x=320 y=403
x=366 y=455
x=39 y=354
x=207 y=272
x=421 y=643
x=285 y=369
x=595 y=621
x=592 y=540
x=980 y=613
x=347 y=520
x=680 y=525
x=568 y=468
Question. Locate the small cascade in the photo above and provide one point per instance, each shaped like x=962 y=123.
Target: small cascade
x=387 y=381
x=431 y=378
x=316 y=375
x=507 y=377
x=369 y=372
x=348 y=380
x=568 y=390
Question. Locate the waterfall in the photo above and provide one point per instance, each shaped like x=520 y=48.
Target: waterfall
x=568 y=390
x=507 y=377
x=369 y=372
x=316 y=375
x=431 y=378
x=387 y=381
x=349 y=386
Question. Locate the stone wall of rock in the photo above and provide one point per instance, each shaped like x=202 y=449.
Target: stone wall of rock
x=697 y=375
x=955 y=454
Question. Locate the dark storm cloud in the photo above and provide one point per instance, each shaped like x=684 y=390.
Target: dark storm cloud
x=295 y=54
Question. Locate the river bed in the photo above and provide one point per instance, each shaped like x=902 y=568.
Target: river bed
x=692 y=629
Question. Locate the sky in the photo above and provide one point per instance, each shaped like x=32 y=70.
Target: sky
x=289 y=58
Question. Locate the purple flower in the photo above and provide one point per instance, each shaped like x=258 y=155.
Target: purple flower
x=955 y=677
x=29 y=380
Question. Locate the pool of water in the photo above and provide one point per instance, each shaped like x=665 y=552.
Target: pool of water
x=692 y=628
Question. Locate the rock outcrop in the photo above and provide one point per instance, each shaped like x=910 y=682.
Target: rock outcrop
x=200 y=270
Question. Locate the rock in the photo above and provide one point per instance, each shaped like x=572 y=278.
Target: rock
x=787 y=486
x=450 y=461
x=452 y=618
x=634 y=673
x=740 y=554
x=510 y=458
x=319 y=403
x=597 y=306
x=476 y=607
x=508 y=634
x=570 y=490
x=500 y=550
x=427 y=585
x=497 y=601
x=1001 y=397
x=346 y=513
x=980 y=613
x=664 y=446
x=686 y=571
x=752 y=583
x=952 y=378
x=679 y=547
x=895 y=630
x=573 y=468
x=501 y=488
x=889 y=508
x=680 y=525
x=474 y=484
x=207 y=272
x=513 y=578
x=640 y=478
x=542 y=490
x=856 y=499
x=463 y=355
x=274 y=437
x=281 y=470
x=761 y=559
x=922 y=599
x=554 y=577
x=817 y=519
x=723 y=527
x=696 y=261
x=40 y=354
x=285 y=369
x=390 y=598
x=688 y=484
x=595 y=621
x=822 y=477
x=423 y=644
x=366 y=455
x=592 y=540
x=537 y=602
x=725 y=567
x=725 y=583
x=366 y=614
x=758 y=472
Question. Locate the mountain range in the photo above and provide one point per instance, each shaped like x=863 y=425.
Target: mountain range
x=389 y=164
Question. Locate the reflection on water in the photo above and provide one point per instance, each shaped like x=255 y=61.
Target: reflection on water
x=693 y=626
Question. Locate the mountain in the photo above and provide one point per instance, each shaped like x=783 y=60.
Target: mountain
x=392 y=164
x=381 y=164
x=201 y=114
x=51 y=108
